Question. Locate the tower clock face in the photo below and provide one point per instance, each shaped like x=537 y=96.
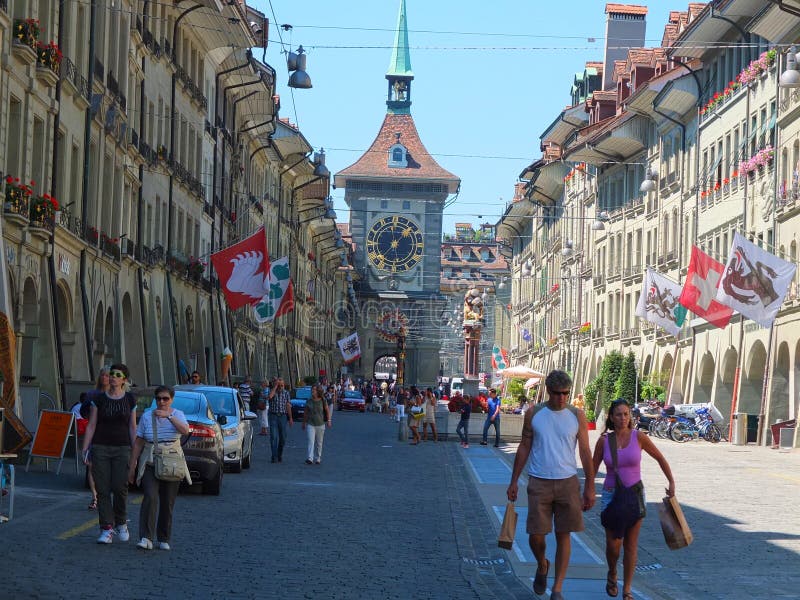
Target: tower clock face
x=394 y=244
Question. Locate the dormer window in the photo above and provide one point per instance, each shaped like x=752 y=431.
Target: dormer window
x=397 y=156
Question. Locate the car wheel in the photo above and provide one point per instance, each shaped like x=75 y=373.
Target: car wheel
x=246 y=460
x=214 y=486
x=237 y=466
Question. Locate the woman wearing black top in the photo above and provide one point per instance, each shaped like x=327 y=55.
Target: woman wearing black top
x=110 y=434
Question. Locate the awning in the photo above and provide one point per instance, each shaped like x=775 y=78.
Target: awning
x=570 y=120
x=774 y=24
x=678 y=96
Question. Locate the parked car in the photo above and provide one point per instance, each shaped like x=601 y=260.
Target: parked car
x=299 y=398
x=235 y=420
x=203 y=447
x=352 y=401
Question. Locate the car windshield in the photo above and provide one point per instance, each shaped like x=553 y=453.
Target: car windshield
x=222 y=403
x=303 y=393
x=352 y=395
x=188 y=406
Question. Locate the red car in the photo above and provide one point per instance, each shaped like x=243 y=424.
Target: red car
x=352 y=401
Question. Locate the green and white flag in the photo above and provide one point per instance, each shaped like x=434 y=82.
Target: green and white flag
x=280 y=298
x=658 y=302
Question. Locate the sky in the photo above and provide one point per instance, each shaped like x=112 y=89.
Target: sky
x=489 y=78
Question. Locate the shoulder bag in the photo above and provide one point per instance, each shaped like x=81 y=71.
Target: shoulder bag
x=627 y=506
x=168 y=461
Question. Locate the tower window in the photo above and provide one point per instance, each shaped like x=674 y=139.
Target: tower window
x=397 y=156
x=406 y=205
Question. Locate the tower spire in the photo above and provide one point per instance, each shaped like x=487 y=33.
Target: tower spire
x=400 y=74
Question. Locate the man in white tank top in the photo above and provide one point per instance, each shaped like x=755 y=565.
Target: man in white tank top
x=549 y=436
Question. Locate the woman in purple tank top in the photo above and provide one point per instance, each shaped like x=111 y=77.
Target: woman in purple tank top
x=629 y=458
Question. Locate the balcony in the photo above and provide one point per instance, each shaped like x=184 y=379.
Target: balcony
x=632 y=272
x=671 y=258
x=634 y=207
x=599 y=281
x=16 y=207
x=630 y=334
x=78 y=86
x=613 y=273
x=70 y=222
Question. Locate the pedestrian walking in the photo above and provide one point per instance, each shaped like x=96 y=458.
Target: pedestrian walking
x=109 y=434
x=492 y=419
x=159 y=495
x=550 y=433
x=430 y=416
x=261 y=407
x=247 y=394
x=415 y=416
x=462 y=429
x=401 y=405
x=316 y=417
x=84 y=410
x=280 y=415
x=330 y=400
x=621 y=438
x=195 y=378
x=393 y=405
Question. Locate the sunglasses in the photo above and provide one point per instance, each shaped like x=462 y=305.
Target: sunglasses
x=118 y=374
x=559 y=392
x=163 y=398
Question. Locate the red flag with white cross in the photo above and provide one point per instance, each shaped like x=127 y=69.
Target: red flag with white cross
x=700 y=289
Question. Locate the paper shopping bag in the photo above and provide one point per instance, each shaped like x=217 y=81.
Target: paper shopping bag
x=676 y=530
x=508 y=528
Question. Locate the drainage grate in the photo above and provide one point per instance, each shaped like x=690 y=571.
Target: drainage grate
x=648 y=568
x=484 y=562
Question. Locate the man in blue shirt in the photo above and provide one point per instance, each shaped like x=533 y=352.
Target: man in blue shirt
x=492 y=418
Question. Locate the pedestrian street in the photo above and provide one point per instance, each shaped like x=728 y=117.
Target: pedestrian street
x=380 y=518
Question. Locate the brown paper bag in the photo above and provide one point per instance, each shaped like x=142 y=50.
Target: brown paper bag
x=508 y=528
x=676 y=530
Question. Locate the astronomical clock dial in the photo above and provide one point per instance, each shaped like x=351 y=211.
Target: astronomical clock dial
x=394 y=244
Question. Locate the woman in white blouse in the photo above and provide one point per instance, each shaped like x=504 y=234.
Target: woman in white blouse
x=159 y=495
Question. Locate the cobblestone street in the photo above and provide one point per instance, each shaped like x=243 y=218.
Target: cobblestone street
x=382 y=519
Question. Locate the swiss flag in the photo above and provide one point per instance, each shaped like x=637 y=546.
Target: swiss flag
x=243 y=270
x=700 y=290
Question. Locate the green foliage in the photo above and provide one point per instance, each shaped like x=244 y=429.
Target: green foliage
x=591 y=417
x=309 y=380
x=609 y=373
x=625 y=386
x=590 y=393
x=515 y=388
x=652 y=390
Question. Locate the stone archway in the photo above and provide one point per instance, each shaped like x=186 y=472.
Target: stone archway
x=108 y=337
x=385 y=365
x=704 y=381
x=752 y=383
x=726 y=375
x=64 y=309
x=687 y=371
x=779 y=399
x=647 y=366
x=29 y=364
x=98 y=344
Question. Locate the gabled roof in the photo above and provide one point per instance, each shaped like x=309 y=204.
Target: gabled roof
x=374 y=163
x=626 y=9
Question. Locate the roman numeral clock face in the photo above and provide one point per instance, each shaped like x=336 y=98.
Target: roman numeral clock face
x=394 y=244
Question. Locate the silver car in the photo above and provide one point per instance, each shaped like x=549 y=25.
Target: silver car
x=235 y=420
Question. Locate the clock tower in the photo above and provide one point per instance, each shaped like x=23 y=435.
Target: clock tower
x=396 y=193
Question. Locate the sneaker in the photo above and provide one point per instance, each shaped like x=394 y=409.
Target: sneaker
x=122 y=532
x=317 y=462
x=106 y=536
x=163 y=546
x=145 y=544
x=309 y=461
x=466 y=445
x=483 y=443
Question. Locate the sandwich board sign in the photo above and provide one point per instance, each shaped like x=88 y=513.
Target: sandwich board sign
x=50 y=440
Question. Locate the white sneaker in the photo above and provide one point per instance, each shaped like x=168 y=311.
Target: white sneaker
x=145 y=544
x=122 y=532
x=163 y=546
x=106 y=536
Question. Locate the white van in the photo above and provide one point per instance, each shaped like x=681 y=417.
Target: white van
x=456 y=385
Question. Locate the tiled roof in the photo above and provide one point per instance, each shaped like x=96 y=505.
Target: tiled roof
x=603 y=95
x=619 y=69
x=374 y=162
x=626 y=9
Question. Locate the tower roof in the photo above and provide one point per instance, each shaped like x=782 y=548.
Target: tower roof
x=374 y=163
x=400 y=64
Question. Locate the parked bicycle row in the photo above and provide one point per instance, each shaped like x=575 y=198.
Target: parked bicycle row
x=681 y=424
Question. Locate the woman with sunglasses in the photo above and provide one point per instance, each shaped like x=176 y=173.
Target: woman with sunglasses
x=629 y=459
x=159 y=495
x=110 y=434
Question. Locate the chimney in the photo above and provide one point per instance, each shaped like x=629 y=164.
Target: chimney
x=625 y=29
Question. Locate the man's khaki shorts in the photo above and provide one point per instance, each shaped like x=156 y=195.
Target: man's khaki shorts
x=554 y=499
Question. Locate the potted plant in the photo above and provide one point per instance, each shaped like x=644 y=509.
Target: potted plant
x=591 y=417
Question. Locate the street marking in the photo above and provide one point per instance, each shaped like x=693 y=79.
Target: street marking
x=484 y=562
x=313 y=483
x=777 y=475
x=89 y=524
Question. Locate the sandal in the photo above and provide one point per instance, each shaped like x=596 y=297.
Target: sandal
x=627 y=596
x=612 y=589
x=92 y=504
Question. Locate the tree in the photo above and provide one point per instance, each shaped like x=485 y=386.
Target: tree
x=625 y=386
x=516 y=388
x=609 y=373
x=590 y=398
